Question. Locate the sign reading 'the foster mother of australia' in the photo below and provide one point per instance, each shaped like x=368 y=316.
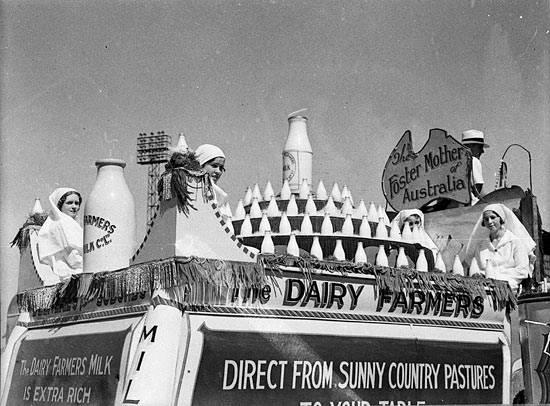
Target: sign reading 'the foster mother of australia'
x=441 y=169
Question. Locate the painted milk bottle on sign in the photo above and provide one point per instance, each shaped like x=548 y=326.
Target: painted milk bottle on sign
x=109 y=220
x=297 y=155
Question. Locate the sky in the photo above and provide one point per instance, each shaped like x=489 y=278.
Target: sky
x=81 y=79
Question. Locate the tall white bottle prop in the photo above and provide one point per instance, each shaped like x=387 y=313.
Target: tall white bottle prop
x=297 y=155
x=109 y=220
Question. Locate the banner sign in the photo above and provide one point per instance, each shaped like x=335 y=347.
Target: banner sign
x=247 y=368
x=68 y=370
x=441 y=169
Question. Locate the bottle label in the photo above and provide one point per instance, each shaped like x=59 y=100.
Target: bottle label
x=289 y=166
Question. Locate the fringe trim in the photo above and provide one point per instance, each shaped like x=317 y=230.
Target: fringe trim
x=33 y=222
x=177 y=182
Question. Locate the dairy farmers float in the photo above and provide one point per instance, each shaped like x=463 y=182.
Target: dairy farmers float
x=303 y=297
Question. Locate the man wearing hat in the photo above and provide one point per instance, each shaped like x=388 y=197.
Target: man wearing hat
x=475 y=141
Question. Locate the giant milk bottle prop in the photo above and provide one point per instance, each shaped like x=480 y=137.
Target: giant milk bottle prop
x=297 y=155
x=109 y=220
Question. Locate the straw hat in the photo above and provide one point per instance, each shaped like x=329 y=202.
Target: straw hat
x=474 y=137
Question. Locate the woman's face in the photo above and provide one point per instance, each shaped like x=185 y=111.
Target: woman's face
x=215 y=168
x=492 y=221
x=412 y=220
x=71 y=205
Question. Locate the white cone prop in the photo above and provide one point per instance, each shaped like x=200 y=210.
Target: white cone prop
x=339 y=253
x=227 y=210
x=381 y=257
x=347 y=207
x=361 y=210
x=272 y=208
x=246 y=226
x=394 y=232
x=247 y=196
x=109 y=220
x=402 y=261
x=489 y=270
x=306 y=226
x=304 y=190
x=292 y=208
x=326 y=226
x=321 y=191
x=182 y=146
x=267 y=246
x=330 y=207
x=240 y=212
x=310 y=205
x=256 y=193
x=297 y=154
x=406 y=234
x=373 y=213
x=255 y=211
x=292 y=247
x=284 y=225
x=364 y=230
x=382 y=213
x=285 y=190
x=316 y=249
x=416 y=237
x=336 y=194
x=37 y=207
x=347 y=193
x=268 y=191
x=474 y=267
x=264 y=224
x=458 y=269
x=439 y=263
x=347 y=227
x=421 y=261
x=360 y=254
x=381 y=230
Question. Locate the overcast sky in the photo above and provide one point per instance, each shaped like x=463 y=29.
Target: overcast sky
x=81 y=79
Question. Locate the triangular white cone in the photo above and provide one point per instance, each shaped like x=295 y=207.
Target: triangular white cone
x=339 y=253
x=321 y=191
x=267 y=244
x=255 y=211
x=361 y=210
x=272 y=208
x=304 y=190
x=330 y=207
x=474 y=267
x=416 y=237
x=347 y=193
x=268 y=191
x=406 y=234
x=240 y=212
x=306 y=227
x=285 y=190
x=421 y=261
x=373 y=213
x=292 y=247
x=402 y=260
x=247 y=196
x=310 y=209
x=347 y=227
x=458 y=269
x=394 y=232
x=246 y=227
x=336 y=194
x=182 y=146
x=264 y=224
x=326 y=226
x=439 y=263
x=489 y=270
x=229 y=222
x=381 y=230
x=360 y=254
x=364 y=230
x=316 y=249
x=284 y=224
x=37 y=207
x=382 y=213
x=347 y=207
x=381 y=257
x=227 y=209
x=292 y=208
x=256 y=193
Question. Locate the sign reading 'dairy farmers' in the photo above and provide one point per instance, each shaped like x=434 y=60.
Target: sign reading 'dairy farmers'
x=248 y=368
x=441 y=169
x=69 y=370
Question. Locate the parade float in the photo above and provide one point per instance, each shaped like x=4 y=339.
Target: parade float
x=303 y=297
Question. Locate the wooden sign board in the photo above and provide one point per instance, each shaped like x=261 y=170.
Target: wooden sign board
x=441 y=169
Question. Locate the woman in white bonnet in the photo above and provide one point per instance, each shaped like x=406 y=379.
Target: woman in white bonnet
x=212 y=160
x=507 y=245
x=60 y=238
x=410 y=218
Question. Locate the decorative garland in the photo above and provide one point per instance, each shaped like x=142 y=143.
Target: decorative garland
x=34 y=222
x=201 y=281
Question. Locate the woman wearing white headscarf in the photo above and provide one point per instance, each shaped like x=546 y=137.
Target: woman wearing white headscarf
x=507 y=245
x=212 y=160
x=411 y=217
x=60 y=238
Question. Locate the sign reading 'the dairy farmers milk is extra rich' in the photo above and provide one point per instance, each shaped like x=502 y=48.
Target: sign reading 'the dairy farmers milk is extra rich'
x=441 y=169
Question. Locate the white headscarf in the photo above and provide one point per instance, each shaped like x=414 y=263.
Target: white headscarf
x=405 y=214
x=207 y=152
x=511 y=222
